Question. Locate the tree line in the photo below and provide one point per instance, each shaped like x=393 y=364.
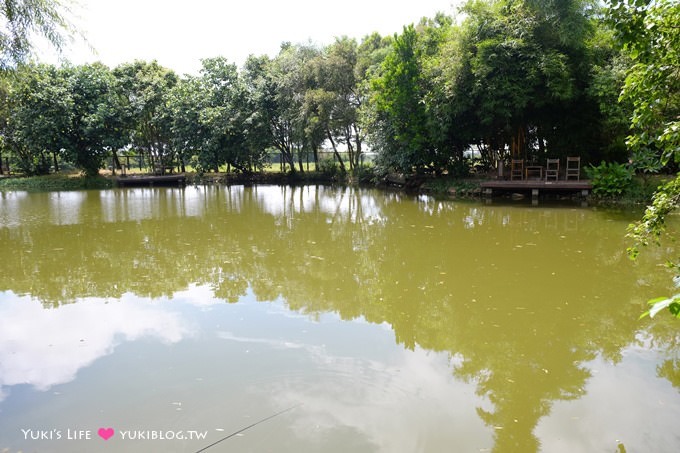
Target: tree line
x=515 y=78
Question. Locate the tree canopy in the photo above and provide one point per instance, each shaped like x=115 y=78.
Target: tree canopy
x=649 y=33
x=514 y=78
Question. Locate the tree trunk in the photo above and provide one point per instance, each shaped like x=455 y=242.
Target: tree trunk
x=152 y=159
x=56 y=162
x=335 y=150
x=300 y=163
x=518 y=145
x=286 y=157
x=45 y=169
x=115 y=163
x=350 y=148
x=357 y=141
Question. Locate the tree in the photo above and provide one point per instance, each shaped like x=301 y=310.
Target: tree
x=70 y=113
x=144 y=88
x=336 y=101
x=227 y=117
x=220 y=116
x=185 y=103
x=528 y=76
x=215 y=120
x=400 y=121
x=649 y=33
x=41 y=110
x=21 y=20
x=96 y=126
x=256 y=86
x=281 y=86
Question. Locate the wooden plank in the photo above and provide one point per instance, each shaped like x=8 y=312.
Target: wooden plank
x=538 y=184
x=534 y=186
x=137 y=181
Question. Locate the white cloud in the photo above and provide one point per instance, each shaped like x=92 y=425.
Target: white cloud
x=45 y=347
x=179 y=33
x=409 y=403
x=604 y=416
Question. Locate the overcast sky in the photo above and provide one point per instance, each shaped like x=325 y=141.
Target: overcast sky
x=179 y=33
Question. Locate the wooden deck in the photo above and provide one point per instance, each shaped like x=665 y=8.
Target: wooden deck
x=535 y=186
x=140 y=181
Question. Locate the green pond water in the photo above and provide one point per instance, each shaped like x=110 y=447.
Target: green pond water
x=321 y=319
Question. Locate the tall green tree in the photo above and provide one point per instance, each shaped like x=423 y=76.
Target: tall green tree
x=96 y=125
x=337 y=99
x=650 y=34
x=288 y=78
x=528 y=74
x=400 y=118
x=228 y=117
x=215 y=120
x=69 y=113
x=144 y=88
x=185 y=102
x=259 y=106
x=41 y=110
x=405 y=108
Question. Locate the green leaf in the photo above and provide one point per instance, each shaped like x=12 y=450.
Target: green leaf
x=675 y=309
x=657 y=307
x=656 y=300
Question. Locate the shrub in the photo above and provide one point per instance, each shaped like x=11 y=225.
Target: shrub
x=460 y=168
x=328 y=167
x=364 y=173
x=610 y=179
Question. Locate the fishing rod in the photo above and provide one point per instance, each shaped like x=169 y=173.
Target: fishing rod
x=248 y=427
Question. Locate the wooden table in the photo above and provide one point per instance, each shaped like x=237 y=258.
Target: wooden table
x=533 y=169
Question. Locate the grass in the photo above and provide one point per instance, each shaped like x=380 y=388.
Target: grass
x=639 y=192
x=451 y=186
x=55 y=182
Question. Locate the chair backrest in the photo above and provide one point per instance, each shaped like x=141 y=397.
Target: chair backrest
x=573 y=167
x=517 y=169
x=552 y=169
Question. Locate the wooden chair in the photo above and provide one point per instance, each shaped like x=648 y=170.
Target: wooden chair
x=573 y=168
x=552 y=169
x=516 y=169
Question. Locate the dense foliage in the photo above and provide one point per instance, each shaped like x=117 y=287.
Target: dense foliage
x=526 y=78
x=649 y=33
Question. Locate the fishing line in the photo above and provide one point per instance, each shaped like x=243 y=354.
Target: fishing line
x=248 y=427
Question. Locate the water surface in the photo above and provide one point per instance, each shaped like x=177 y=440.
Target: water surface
x=367 y=321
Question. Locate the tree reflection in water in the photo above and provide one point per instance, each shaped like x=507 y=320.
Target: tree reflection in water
x=523 y=298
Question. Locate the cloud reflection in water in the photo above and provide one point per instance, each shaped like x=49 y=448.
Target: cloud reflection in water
x=404 y=401
x=45 y=347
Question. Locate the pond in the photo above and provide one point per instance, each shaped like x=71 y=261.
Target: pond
x=306 y=319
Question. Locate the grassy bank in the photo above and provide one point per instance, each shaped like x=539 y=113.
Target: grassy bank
x=65 y=182
x=637 y=192
x=55 y=183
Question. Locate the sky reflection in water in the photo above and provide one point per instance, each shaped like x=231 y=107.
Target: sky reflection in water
x=350 y=381
x=390 y=324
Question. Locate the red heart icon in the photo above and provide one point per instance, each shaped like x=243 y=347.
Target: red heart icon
x=105 y=433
